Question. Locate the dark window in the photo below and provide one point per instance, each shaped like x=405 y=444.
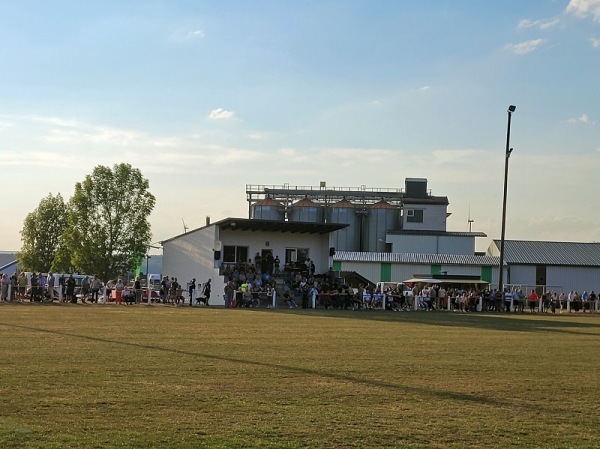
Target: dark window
x=296 y=255
x=414 y=216
x=234 y=254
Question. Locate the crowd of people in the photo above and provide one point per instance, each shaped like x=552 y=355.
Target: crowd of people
x=247 y=285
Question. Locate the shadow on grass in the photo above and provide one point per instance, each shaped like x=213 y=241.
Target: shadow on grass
x=509 y=322
x=392 y=386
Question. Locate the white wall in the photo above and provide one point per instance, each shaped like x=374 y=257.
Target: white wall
x=520 y=274
x=431 y=244
x=192 y=256
x=574 y=278
x=401 y=272
x=434 y=217
x=369 y=270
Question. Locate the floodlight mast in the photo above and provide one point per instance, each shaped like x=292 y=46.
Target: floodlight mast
x=508 y=152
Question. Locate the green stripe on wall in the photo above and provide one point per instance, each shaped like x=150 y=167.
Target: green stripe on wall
x=436 y=269
x=486 y=274
x=386 y=272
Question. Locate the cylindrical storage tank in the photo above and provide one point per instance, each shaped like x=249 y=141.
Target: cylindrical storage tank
x=305 y=211
x=347 y=239
x=382 y=217
x=267 y=209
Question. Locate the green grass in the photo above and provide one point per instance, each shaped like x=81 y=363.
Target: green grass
x=77 y=376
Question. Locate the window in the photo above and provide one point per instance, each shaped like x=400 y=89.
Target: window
x=414 y=215
x=296 y=255
x=235 y=254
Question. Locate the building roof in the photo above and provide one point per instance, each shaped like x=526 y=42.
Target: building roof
x=414 y=258
x=7 y=258
x=300 y=227
x=437 y=233
x=440 y=200
x=527 y=252
x=247 y=224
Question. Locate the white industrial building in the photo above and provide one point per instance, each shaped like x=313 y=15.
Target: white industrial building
x=557 y=266
x=338 y=228
x=381 y=234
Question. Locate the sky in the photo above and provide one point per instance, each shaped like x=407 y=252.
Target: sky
x=207 y=97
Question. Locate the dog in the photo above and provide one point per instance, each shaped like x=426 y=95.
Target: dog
x=201 y=299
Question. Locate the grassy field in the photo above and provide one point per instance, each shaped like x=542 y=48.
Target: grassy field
x=95 y=376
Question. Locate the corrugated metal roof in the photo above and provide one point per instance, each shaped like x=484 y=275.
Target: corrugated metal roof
x=247 y=224
x=7 y=259
x=267 y=202
x=343 y=204
x=382 y=205
x=527 y=252
x=436 y=233
x=305 y=203
x=414 y=258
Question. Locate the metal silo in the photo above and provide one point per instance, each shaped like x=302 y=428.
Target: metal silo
x=382 y=217
x=268 y=209
x=306 y=211
x=347 y=239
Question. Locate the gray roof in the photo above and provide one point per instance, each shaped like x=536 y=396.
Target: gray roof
x=436 y=233
x=414 y=258
x=292 y=227
x=7 y=259
x=527 y=252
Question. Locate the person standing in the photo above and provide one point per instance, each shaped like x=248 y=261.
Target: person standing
x=95 y=285
x=192 y=291
x=71 y=289
x=229 y=292
x=533 y=301
x=276 y=264
x=592 y=301
x=442 y=297
x=85 y=288
x=34 y=287
x=270 y=262
x=206 y=291
x=51 y=286
x=22 y=281
x=4 y=280
x=62 y=285
x=119 y=287
x=137 y=286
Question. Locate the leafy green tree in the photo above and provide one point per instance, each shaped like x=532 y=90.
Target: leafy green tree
x=108 y=228
x=42 y=233
x=62 y=259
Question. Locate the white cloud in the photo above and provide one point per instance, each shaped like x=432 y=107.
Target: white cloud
x=523 y=48
x=5 y=125
x=583 y=118
x=542 y=24
x=260 y=135
x=186 y=35
x=595 y=42
x=220 y=114
x=584 y=8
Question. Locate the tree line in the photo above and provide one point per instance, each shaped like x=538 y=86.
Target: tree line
x=103 y=229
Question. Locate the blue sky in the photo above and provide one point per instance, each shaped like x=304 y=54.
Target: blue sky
x=206 y=97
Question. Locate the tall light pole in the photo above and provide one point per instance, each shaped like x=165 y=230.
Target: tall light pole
x=511 y=109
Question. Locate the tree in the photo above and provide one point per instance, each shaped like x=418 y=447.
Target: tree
x=108 y=228
x=41 y=234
